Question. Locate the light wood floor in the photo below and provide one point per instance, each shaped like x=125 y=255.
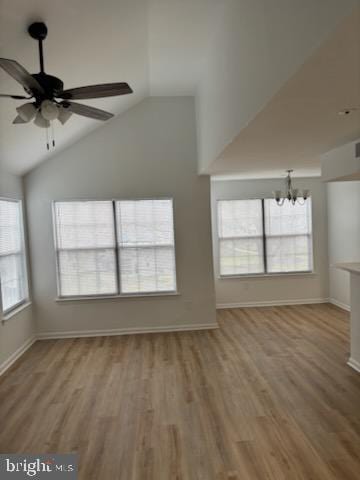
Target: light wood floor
x=266 y=396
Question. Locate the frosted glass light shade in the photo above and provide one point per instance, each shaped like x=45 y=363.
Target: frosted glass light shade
x=49 y=110
x=64 y=115
x=40 y=121
x=27 y=111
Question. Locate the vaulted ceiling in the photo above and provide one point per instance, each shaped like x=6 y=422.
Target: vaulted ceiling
x=85 y=45
x=233 y=55
x=301 y=121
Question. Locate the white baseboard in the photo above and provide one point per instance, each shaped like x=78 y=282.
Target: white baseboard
x=354 y=364
x=272 y=303
x=125 y=331
x=128 y=331
x=17 y=354
x=99 y=333
x=344 y=306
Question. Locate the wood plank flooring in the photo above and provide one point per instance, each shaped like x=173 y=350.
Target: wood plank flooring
x=267 y=396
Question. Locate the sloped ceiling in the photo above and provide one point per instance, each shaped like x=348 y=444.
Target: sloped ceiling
x=301 y=121
x=256 y=46
x=154 y=45
x=88 y=42
x=161 y=47
x=179 y=36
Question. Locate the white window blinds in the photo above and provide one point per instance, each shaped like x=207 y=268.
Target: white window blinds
x=13 y=277
x=240 y=230
x=115 y=247
x=259 y=236
x=145 y=231
x=85 y=241
x=288 y=236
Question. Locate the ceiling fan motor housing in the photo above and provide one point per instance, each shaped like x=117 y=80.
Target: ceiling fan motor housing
x=52 y=85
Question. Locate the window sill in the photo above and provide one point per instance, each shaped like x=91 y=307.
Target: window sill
x=267 y=275
x=15 y=311
x=116 y=297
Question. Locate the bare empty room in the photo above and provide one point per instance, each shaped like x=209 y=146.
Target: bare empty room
x=180 y=240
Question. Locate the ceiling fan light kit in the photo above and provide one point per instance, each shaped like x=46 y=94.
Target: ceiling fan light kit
x=49 y=110
x=27 y=112
x=291 y=194
x=51 y=102
x=40 y=121
x=64 y=115
x=17 y=120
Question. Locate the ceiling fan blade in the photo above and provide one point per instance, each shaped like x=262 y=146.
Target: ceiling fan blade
x=16 y=97
x=96 y=91
x=18 y=73
x=18 y=120
x=86 y=111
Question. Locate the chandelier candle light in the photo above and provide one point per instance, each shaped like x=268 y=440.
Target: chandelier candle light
x=291 y=194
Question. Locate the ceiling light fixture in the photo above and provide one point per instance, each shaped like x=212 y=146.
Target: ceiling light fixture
x=293 y=195
x=40 y=121
x=49 y=110
x=64 y=115
x=27 y=111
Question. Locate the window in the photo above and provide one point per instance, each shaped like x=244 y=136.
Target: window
x=85 y=241
x=114 y=247
x=146 y=246
x=240 y=228
x=288 y=234
x=13 y=276
x=259 y=237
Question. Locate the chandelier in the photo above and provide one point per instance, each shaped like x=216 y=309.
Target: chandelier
x=292 y=194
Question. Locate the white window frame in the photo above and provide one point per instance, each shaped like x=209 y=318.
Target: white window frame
x=23 y=253
x=118 y=295
x=122 y=247
x=221 y=239
x=58 y=250
x=265 y=273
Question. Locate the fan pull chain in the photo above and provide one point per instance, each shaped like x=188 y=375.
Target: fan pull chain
x=50 y=136
x=47 y=139
x=53 y=134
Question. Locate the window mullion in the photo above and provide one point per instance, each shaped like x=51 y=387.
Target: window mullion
x=264 y=235
x=117 y=253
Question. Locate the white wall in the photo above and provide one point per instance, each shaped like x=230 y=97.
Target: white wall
x=150 y=151
x=343 y=200
x=19 y=329
x=343 y=204
x=275 y=289
x=254 y=47
x=341 y=163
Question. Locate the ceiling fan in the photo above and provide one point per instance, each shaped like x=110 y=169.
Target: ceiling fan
x=49 y=100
